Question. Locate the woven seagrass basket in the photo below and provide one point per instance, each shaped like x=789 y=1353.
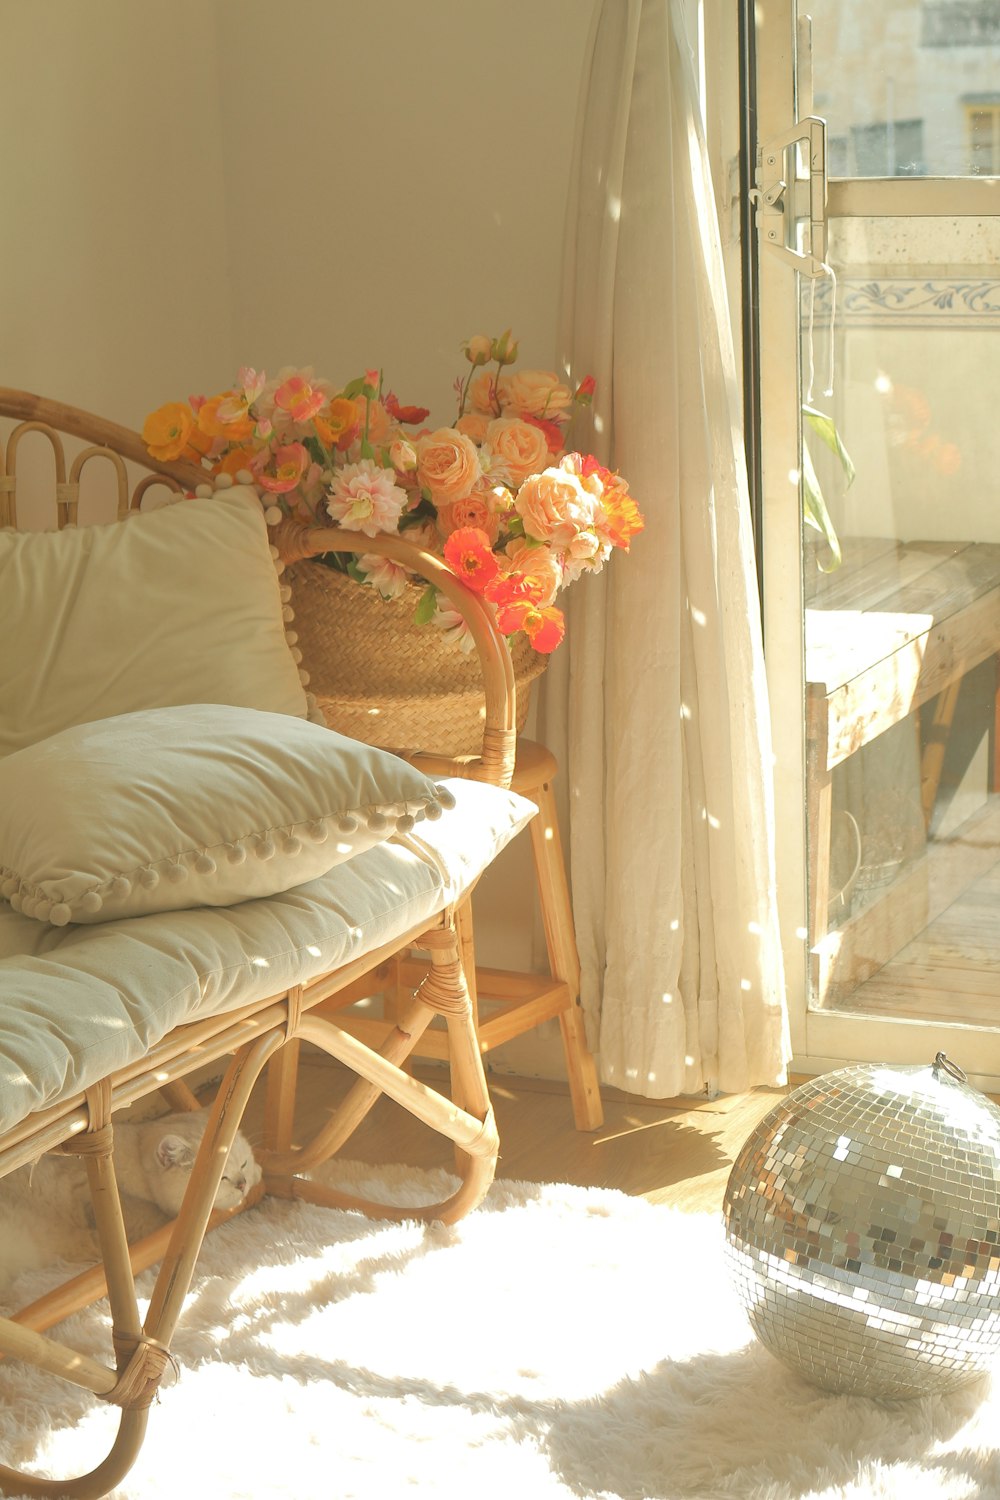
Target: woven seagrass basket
x=379 y=677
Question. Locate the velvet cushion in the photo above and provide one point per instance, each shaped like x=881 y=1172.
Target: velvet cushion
x=198 y=805
x=176 y=605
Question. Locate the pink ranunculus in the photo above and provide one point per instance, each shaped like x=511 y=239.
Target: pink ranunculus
x=290 y=462
x=447 y=465
x=555 y=507
x=365 y=497
x=515 y=449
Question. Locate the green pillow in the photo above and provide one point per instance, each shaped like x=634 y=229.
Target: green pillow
x=198 y=805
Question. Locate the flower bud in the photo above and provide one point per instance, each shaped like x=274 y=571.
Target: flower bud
x=479 y=349
x=502 y=350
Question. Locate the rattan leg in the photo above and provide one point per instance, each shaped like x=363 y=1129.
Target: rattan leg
x=564 y=962
x=470 y=1124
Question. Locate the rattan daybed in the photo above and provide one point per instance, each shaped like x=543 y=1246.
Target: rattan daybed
x=116 y=985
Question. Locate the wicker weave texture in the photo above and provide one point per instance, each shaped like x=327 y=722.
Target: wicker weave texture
x=379 y=677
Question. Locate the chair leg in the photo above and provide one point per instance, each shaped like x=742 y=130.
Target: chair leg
x=466 y=1119
x=564 y=962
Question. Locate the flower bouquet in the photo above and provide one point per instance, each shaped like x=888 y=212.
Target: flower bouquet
x=496 y=494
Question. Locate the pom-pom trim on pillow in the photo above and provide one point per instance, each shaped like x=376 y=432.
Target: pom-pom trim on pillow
x=74 y=808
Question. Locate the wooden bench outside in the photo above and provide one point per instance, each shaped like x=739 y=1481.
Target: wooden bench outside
x=897 y=625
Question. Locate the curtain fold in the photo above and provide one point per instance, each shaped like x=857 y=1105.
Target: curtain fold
x=657 y=705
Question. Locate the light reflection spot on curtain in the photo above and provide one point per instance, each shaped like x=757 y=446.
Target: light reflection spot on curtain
x=754 y=927
x=745 y=984
x=668 y=999
x=685 y=711
x=712 y=822
x=614 y=209
x=698 y=616
x=675 y=925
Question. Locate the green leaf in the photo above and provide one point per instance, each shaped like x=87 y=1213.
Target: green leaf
x=315 y=449
x=825 y=428
x=367 y=451
x=353 y=571
x=515 y=526
x=424 y=612
x=815 y=513
x=353 y=388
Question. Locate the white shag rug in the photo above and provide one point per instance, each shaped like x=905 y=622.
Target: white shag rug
x=560 y=1341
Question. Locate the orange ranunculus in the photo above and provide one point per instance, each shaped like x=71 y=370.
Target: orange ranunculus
x=235 y=431
x=467 y=553
x=166 y=431
x=338 y=425
x=233 y=462
x=199 y=445
x=544 y=627
x=622 y=517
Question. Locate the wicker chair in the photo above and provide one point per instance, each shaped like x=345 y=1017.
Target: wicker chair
x=263 y=1032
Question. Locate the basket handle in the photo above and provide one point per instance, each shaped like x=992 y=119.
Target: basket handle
x=296 y=541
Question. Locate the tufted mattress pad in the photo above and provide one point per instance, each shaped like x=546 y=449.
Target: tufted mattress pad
x=79 y=1002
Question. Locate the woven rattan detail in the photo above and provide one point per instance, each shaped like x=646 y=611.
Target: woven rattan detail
x=89 y=1143
x=139 y=1381
x=379 y=677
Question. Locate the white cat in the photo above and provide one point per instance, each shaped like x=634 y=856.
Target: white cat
x=45 y=1210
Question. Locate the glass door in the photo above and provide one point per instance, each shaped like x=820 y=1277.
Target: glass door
x=878 y=224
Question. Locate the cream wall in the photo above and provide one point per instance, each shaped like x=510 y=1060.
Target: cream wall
x=112 y=253
x=193 y=186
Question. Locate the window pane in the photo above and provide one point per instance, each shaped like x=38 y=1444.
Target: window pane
x=908 y=87
x=903 y=629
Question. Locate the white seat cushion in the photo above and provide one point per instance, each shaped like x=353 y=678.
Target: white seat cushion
x=77 y=1003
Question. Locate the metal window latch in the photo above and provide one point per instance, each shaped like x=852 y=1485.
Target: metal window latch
x=790 y=195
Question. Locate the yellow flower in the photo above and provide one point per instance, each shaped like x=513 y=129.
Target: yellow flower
x=166 y=431
x=236 y=429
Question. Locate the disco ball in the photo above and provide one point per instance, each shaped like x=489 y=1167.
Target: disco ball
x=863 y=1229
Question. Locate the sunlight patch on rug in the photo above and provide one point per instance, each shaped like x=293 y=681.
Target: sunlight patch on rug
x=559 y=1341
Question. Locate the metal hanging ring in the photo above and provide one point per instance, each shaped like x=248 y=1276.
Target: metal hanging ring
x=947 y=1066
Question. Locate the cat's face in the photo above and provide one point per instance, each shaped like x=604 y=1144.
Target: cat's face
x=174 y=1156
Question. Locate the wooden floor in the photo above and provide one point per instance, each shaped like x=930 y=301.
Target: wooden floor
x=678 y=1152
x=950 y=971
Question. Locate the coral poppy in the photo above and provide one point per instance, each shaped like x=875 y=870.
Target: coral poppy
x=544 y=627
x=289 y=466
x=467 y=552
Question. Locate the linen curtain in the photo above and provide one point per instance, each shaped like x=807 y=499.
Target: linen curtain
x=656 y=704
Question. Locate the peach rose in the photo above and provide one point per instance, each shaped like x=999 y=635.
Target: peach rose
x=447 y=465
x=555 y=507
x=474 y=509
x=538 y=393
x=516 y=449
x=382 y=430
x=538 y=563
x=482 y=395
x=473 y=425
